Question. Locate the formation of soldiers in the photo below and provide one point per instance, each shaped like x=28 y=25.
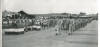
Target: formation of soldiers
x=71 y=25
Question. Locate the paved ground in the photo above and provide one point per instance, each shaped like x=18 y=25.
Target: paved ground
x=85 y=37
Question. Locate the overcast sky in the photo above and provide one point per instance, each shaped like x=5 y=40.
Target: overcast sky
x=51 y=6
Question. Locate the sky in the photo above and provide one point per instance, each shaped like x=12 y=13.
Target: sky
x=51 y=6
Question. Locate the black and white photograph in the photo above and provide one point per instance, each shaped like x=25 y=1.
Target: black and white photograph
x=49 y=23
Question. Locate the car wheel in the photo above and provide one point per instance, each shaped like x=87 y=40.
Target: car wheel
x=22 y=32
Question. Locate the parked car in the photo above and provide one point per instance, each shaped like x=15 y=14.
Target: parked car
x=33 y=27
x=14 y=31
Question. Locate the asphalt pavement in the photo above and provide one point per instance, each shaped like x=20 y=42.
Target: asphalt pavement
x=84 y=37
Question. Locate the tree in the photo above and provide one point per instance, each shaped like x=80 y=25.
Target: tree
x=25 y=15
x=22 y=12
x=82 y=14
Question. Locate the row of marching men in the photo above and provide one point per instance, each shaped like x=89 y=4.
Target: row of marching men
x=71 y=25
x=28 y=22
x=18 y=21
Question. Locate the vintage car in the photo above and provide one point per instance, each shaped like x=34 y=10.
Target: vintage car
x=14 y=31
x=33 y=27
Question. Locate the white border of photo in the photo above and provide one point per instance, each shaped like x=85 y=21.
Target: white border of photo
x=1 y=22
x=1 y=7
x=98 y=3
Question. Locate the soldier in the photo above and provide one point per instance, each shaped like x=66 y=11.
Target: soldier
x=14 y=24
x=71 y=23
x=58 y=27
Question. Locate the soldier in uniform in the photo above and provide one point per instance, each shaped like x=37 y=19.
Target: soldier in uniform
x=58 y=27
x=71 y=28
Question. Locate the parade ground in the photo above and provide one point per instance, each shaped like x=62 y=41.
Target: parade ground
x=84 y=37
